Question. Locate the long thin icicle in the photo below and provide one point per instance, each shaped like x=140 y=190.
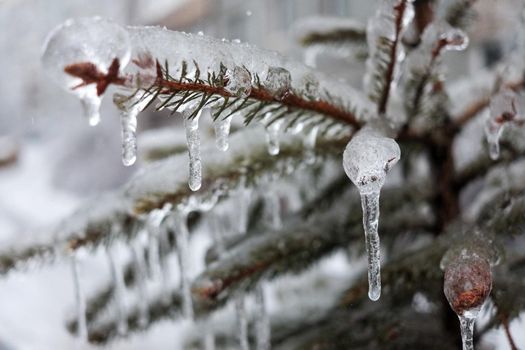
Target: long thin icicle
x=370 y=205
x=80 y=301
x=120 y=291
x=222 y=132
x=262 y=320
x=194 y=142
x=140 y=268
x=181 y=237
x=242 y=322
x=367 y=159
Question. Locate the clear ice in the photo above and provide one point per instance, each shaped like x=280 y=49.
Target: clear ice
x=367 y=159
x=262 y=321
x=273 y=132
x=194 y=144
x=242 y=322
x=85 y=40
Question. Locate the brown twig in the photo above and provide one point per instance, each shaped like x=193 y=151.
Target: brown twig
x=505 y=322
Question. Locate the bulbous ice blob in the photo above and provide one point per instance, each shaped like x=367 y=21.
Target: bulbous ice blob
x=239 y=82
x=367 y=159
x=86 y=48
x=278 y=82
x=446 y=36
x=468 y=282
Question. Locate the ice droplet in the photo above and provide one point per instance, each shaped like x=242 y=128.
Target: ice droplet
x=505 y=108
x=309 y=145
x=239 y=82
x=278 y=82
x=182 y=236
x=222 y=132
x=367 y=159
x=262 y=320
x=82 y=333
x=194 y=144
x=79 y=43
x=119 y=295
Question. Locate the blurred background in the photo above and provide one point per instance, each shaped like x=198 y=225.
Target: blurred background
x=51 y=160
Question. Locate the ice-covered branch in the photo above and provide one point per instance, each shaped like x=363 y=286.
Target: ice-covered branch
x=384 y=32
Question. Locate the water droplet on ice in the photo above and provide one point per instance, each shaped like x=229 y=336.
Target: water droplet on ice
x=278 y=82
x=239 y=82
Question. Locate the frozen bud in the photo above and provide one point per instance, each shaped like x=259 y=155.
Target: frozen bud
x=468 y=282
x=367 y=159
x=278 y=82
x=239 y=82
x=310 y=87
x=440 y=35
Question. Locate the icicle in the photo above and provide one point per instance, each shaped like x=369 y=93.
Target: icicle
x=82 y=332
x=222 y=132
x=505 y=108
x=468 y=282
x=273 y=205
x=181 y=236
x=278 y=82
x=239 y=82
x=309 y=145
x=209 y=339
x=242 y=322
x=140 y=268
x=367 y=159
x=243 y=208
x=119 y=295
x=79 y=47
x=262 y=320
x=273 y=131
x=194 y=142
x=91 y=107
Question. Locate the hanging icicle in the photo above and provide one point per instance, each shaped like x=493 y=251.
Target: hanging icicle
x=222 y=132
x=262 y=320
x=82 y=332
x=120 y=293
x=194 y=143
x=180 y=227
x=367 y=159
x=242 y=322
x=140 y=270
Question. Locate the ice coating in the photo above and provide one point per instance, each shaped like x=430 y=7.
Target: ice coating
x=468 y=282
x=222 y=132
x=80 y=41
x=367 y=159
x=262 y=321
x=239 y=81
x=242 y=322
x=505 y=108
x=194 y=143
